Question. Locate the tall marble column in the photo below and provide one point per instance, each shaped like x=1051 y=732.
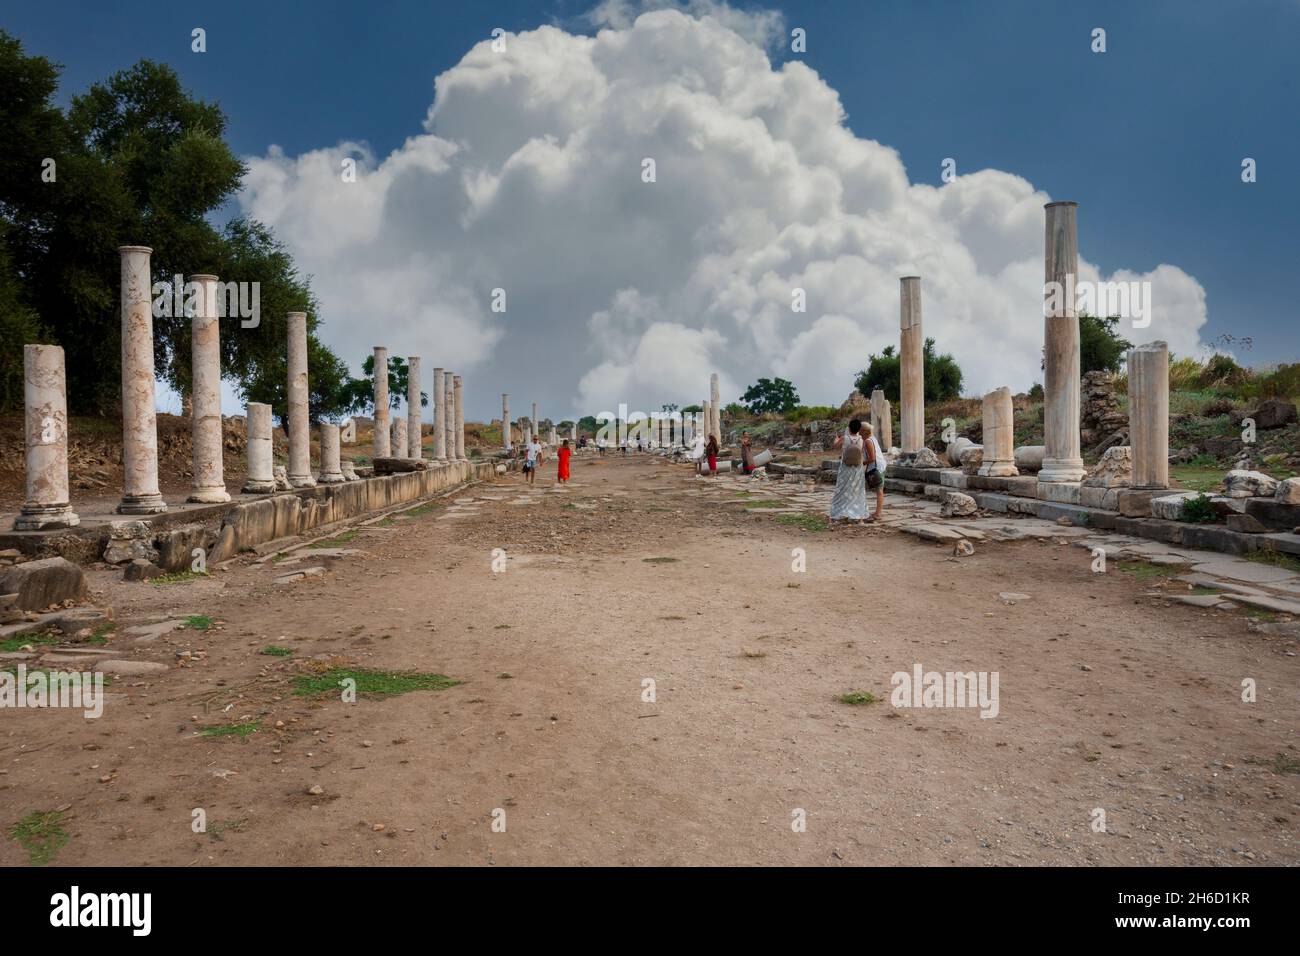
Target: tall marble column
x=1063 y=460
x=260 y=479
x=715 y=406
x=999 y=435
x=911 y=367
x=140 y=495
x=505 y=420
x=440 y=414
x=536 y=424
x=382 y=444
x=414 y=410
x=299 y=470
x=449 y=400
x=331 y=470
x=573 y=433
x=1148 y=416
x=206 y=436
x=460 y=418
x=399 y=436
x=48 y=504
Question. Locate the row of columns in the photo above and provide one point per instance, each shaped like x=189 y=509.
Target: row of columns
x=403 y=437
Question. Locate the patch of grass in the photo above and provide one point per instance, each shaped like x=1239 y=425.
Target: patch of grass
x=857 y=698
x=1197 y=479
x=178 y=577
x=1260 y=614
x=41 y=834
x=1278 y=559
x=767 y=503
x=215 y=830
x=232 y=730
x=1144 y=571
x=100 y=637
x=1198 y=510
x=386 y=523
x=659 y=560
x=807 y=522
x=370 y=683
x=424 y=509
x=335 y=542
x=275 y=650
x=1280 y=764
x=10 y=644
x=198 y=622
x=1201 y=590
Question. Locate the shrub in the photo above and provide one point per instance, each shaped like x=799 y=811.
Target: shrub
x=1198 y=510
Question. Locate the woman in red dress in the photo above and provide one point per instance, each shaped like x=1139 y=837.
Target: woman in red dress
x=565 y=452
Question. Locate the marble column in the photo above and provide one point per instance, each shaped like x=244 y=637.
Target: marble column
x=715 y=406
x=382 y=445
x=449 y=401
x=573 y=433
x=299 y=470
x=206 y=438
x=460 y=418
x=706 y=419
x=414 y=410
x=399 y=436
x=1063 y=460
x=505 y=420
x=261 y=478
x=46 y=431
x=535 y=424
x=911 y=367
x=882 y=419
x=554 y=437
x=440 y=414
x=331 y=470
x=1148 y=416
x=999 y=435
x=140 y=495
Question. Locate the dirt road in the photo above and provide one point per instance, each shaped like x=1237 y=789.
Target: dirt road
x=1108 y=701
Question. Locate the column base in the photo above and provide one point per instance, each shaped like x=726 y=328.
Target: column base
x=335 y=479
x=142 y=505
x=209 y=496
x=1062 y=469
x=999 y=469
x=262 y=487
x=301 y=481
x=46 y=518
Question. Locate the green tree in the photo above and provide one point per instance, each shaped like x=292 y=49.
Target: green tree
x=1100 y=348
x=770 y=395
x=943 y=376
x=359 y=393
x=588 y=424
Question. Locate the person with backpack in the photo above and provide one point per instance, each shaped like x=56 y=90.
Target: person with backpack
x=850 y=500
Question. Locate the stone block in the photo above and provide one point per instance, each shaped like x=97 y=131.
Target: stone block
x=1136 y=503
x=38 y=584
x=1092 y=496
x=1059 y=492
x=1170 y=507
x=952 y=478
x=1276 y=514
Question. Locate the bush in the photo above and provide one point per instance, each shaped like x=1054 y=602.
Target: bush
x=812 y=413
x=1198 y=510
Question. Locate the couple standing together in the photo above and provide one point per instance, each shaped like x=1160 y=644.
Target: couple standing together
x=862 y=467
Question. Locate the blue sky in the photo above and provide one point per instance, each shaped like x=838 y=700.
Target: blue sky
x=1148 y=137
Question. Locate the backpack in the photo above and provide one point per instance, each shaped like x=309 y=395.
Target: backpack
x=852 y=451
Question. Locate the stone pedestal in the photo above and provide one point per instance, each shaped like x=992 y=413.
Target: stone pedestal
x=48 y=504
x=1063 y=460
x=1148 y=396
x=439 y=414
x=399 y=437
x=299 y=424
x=911 y=366
x=382 y=446
x=414 y=413
x=999 y=435
x=505 y=421
x=140 y=495
x=459 y=390
x=331 y=471
x=261 y=477
x=206 y=436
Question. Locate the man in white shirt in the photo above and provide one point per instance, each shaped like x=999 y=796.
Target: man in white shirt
x=533 y=454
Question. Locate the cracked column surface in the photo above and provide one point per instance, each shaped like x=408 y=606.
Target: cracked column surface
x=414 y=410
x=261 y=478
x=1063 y=460
x=299 y=470
x=439 y=415
x=140 y=495
x=382 y=445
x=46 y=434
x=1148 y=393
x=911 y=367
x=460 y=418
x=331 y=471
x=207 y=440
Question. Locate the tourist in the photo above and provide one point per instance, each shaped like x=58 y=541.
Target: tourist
x=562 y=470
x=532 y=454
x=875 y=474
x=746 y=454
x=850 y=500
x=711 y=455
x=600 y=445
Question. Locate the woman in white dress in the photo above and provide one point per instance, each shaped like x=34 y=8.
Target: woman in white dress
x=850 y=500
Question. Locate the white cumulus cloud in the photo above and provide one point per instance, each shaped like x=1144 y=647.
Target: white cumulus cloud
x=528 y=178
